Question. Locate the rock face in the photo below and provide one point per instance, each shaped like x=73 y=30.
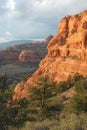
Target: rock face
x=32 y=52
x=67 y=53
x=34 y=55
x=24 y=53
x=48 y=38
x=7 y=55
x=30 y=56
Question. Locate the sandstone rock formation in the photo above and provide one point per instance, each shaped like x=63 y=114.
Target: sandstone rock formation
x=48 y=38
x=24 y=53
x=67 y=53
x=7 y=55
x=32 y=52
x=30 y=56
x=35 y=55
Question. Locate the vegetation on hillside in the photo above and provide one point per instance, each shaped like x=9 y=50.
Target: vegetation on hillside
x=12 y=113
x=46 y=108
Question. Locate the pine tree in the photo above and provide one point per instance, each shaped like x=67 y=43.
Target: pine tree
x=40 y=93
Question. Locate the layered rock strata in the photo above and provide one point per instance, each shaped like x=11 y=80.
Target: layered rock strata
x=67 y=53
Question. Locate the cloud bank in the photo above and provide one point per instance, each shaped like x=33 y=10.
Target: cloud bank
x=26 y=19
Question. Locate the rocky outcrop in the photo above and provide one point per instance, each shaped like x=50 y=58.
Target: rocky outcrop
x=30 y=56
x=24 y=53
x=8 y=55
x=48 y=38
x=67 y=53
x=30 y=52
x=34 y=55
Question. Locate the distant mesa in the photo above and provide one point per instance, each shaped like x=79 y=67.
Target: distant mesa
x=36 y=55
x=31 y=56
x=24 y=51
x=67 y=53
x=46 y=40
x=11 y=43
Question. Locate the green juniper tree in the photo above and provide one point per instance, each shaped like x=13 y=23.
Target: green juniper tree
x=40 y=93
x=12 y=113
x=78 y=102
x=18 y=113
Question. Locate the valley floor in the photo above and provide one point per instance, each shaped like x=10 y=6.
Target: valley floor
x=18 y=72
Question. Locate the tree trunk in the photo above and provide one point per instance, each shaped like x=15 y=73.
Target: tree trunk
x=43 y=99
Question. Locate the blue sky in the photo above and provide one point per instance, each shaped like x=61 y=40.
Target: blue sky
x=28 y=19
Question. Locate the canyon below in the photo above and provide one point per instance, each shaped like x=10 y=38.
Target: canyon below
x=20 y=61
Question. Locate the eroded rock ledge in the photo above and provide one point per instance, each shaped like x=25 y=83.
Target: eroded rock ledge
x=67 y=53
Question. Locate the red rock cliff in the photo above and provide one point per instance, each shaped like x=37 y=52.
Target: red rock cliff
x=30 y=56
x=67 y=53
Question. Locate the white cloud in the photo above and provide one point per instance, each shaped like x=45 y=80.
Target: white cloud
x=11 y=4
x=35 y=18
x=2 y=39
x=79 y=8
x=7 y=36
x=14 y=14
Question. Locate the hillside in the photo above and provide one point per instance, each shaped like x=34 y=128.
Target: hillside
x=15 y=53
x=67 y=53
x=20 y=61
x=11 y=43
x=24 y=51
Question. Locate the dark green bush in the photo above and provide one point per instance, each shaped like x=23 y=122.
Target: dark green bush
x=78 y=102
x=64 y=85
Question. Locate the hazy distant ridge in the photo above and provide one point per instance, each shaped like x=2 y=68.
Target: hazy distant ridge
x=11 y=43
